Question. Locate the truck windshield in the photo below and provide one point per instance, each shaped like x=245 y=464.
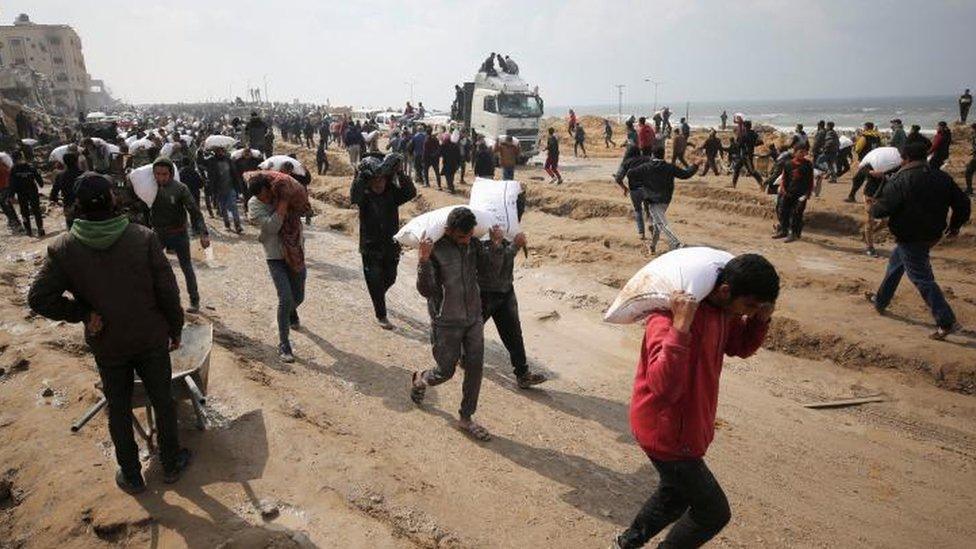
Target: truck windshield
x=519 y=105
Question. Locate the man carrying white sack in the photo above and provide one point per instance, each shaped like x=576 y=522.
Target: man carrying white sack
x=672 y=412
x=498 y=302
x=447 y=275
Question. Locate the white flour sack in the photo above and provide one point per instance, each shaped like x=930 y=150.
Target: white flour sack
x=275 y=163
x=692 y=270
x=434 y=223
x=498 y=199
x=882 y=159
x=144 y=184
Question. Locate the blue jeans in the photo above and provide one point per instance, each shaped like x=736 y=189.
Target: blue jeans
x=228 y=205
x=912 y=258
x=508 y=174
x=637 y=199
x=290 y=287
x=180 y=244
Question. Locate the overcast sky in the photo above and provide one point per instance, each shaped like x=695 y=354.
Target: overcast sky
x=362 y=53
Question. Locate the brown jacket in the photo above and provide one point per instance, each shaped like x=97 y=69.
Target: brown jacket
x=508 y=154
x=130 y=284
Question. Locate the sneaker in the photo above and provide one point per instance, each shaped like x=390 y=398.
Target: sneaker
x=791 y=238
x=40 y=233
x=238 y=229
x=286 y=357
x=130 y=485
x=194 y=307
x=173 y=474
x=850 y=200
x=530 y=379
x=294 y=322
x=871 y=252
x=385 y=323
x=780 y=235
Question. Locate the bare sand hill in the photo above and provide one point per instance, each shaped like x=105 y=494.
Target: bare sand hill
x=330 y=451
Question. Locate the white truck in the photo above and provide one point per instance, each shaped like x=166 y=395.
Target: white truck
x=499 y=105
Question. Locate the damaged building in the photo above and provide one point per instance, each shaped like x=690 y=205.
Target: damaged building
x=42 y=66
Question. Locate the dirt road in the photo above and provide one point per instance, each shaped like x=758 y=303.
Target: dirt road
x=334 y=453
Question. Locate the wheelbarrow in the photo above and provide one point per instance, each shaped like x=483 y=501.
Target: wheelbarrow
x=191 y=371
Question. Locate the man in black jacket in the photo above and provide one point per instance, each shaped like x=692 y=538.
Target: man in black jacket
x=498 y=302
x=25 y=182
x=916 y=202
x=747 y=146
x=122 y=288
x=657 y=180
x=378 y=190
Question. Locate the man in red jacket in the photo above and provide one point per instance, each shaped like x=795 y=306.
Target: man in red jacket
x=672 y=413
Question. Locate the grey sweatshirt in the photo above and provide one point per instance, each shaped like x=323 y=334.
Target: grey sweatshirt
x=449 y=280
x=264 y=216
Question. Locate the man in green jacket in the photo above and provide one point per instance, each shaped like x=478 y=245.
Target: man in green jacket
x=113 y=277
x=168 y=215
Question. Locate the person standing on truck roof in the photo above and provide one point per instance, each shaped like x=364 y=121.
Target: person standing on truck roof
x=112 y=276
x=513 y=68
x=675 y=396
x=552 y=158
x=488 y=67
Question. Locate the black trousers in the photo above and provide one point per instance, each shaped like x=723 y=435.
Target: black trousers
x=30 y=205
x=8 y=208
x=687 y=493
x=502 y=307
x=791 y=214
x=449 y=171
x=970 y=170
x=154 y=370
x=746 y=163
x=380 y=270
x=710 y=165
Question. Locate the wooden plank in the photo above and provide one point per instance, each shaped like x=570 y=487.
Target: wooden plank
x=845 y=402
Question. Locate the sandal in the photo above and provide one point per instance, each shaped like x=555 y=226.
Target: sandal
x=942 y=333
x=475 y=431
x=417 y=393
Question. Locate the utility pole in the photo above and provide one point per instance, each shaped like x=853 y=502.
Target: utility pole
x=655 y=83
x=620 y=101
x=266 y=100
x=410 y=83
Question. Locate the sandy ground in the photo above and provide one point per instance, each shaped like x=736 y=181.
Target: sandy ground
x=336 y=455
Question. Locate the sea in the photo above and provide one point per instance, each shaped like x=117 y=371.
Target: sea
x=783 y=114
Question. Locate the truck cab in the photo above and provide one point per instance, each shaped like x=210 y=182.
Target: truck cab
x=500 y=105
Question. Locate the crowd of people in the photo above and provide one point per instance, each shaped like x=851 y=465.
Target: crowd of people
x=207 y=158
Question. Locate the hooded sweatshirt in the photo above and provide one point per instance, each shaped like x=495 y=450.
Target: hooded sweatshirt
x=117 y=270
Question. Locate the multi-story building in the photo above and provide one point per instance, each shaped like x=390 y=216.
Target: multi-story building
x=53 y=51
